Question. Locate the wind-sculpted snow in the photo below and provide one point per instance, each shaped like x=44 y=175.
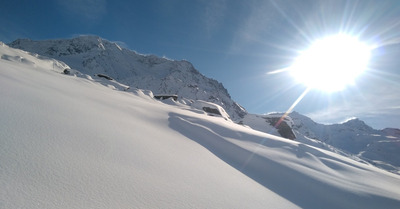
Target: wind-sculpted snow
x=287 y=168
x=30 y=59
x=72 y=142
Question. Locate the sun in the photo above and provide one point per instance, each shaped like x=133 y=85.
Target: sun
x=332 y=63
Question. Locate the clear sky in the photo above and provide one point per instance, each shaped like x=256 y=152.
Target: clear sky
x=238 y=42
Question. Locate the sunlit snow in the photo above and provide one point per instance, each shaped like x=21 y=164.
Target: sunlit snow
x=71 y=141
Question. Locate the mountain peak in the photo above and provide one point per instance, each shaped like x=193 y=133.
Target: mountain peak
x=354 y=119
x=356 y=122
x=62 y=47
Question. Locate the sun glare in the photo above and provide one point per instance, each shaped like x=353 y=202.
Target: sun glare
x=332 y=63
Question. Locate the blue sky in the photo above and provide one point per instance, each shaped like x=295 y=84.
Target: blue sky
x=237 y=42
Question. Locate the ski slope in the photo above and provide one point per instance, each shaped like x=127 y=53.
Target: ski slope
x=76 y=142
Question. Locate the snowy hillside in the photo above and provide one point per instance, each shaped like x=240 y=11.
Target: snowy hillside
x=76 y=142
x=380 y=147
x=93 y=55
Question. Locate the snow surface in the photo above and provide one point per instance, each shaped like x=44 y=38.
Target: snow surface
x=93 y=56
x=73 y=142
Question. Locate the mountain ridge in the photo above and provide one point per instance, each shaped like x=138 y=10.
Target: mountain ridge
x=92 y=55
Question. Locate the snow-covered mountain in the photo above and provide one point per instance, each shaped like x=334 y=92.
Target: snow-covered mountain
x=381 y=147
x=75 y=141
x=93 y=55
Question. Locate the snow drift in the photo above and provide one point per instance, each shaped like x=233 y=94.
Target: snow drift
x=73 y=142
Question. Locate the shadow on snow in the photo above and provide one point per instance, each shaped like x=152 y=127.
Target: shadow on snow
x=297 y=187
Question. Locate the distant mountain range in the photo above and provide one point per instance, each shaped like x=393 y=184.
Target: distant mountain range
x=379 y=147
x=93 y=55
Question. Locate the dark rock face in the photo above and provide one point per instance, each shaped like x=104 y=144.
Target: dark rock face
x=66 y=71
x=104 y=76
x=163 y=97
x=283 y=128
x=211 y=110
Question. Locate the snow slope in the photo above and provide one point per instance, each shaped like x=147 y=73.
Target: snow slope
x=73 y=142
